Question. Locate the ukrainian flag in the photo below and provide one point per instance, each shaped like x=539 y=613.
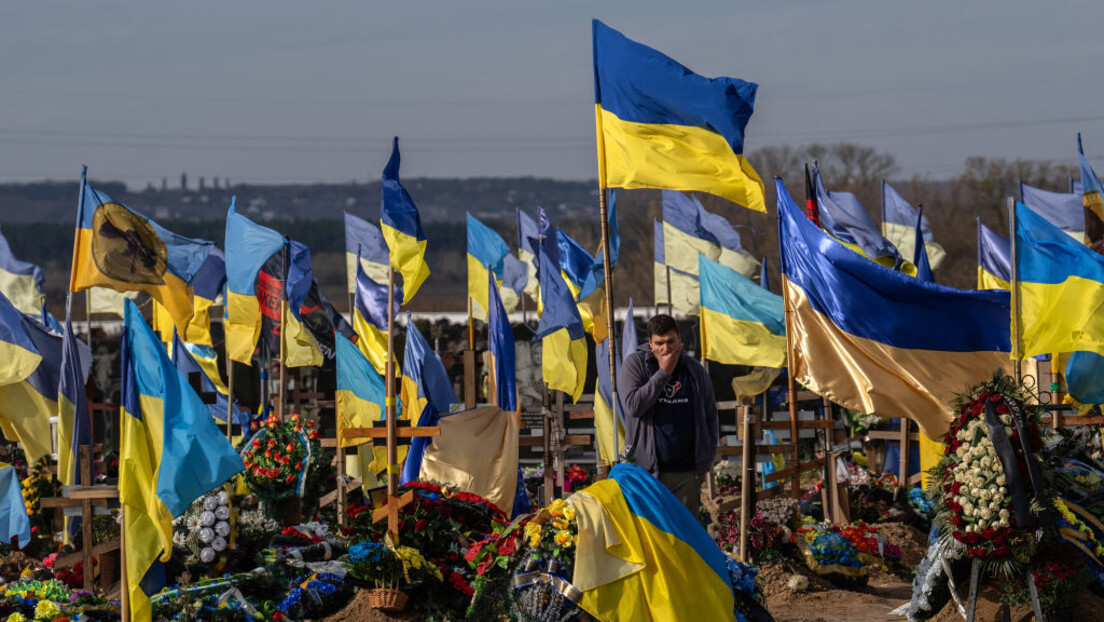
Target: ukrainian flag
x=878 y=341
x=170 y=453
x=920 y=250
x=366 y=240
x=642 y=556
x=500 y=343
x=27 y=405
x=1061 y=209
x=360 y=392
x=370 y=318
x=515 y=278
x=248 y=247
x=899 y=226
x=661 y=125
x=576 y=268
x=206 y=288
x=605 y=424
x=741 y=323
x=426 y=392
x=406 y=242
x=564 y=354
x=121 y=249
x=486 y=253
x=994 y=259
x=20 y=281
x=14 y=522
x=846 y=220
x=1061 y=289
x=187 y=359
x=684 y=296
x=19 y=357
x=300 y=347
x=74 y=422
x=690 y=230
x=528 y=241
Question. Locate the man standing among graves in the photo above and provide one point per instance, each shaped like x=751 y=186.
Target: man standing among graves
x=671 y=421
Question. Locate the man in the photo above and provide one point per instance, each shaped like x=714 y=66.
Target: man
x=670 y=412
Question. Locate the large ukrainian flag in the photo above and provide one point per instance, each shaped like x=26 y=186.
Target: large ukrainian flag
x=426 y=392
x=1061 y=289
x=370 y=318
x=661 y=125
x=20 y=281
x=741 y=323
x=366 y=240
x=248 y=247
x=486 y=250
x=121 y=249
x=642 y=556
x=171 y=452
x=994 y=259
x=402 y=228
x=878 y=341
x=563 y=339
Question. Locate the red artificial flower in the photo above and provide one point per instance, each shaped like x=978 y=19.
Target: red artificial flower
x=271 y=442
x=290 y=478
x=294 y=417
x=310 y=423
x=420 y=524
x=289 y=448
x=313 y=434
x=508 y=545
x=473 y=551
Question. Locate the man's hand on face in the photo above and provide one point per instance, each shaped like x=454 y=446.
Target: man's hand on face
x=666 y=348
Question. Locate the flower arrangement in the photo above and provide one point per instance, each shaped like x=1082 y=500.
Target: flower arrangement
x=313 y=597
x=766 y=538
x=970 y=486
x=726 y=477
x=745 y=586
x=1058 y=572
x=278 y=457
x=39 y=484
x=204 y=528
x=828 y=551
x=374 y=563
x=872 y=546
x=920 y=502
x=577 y=478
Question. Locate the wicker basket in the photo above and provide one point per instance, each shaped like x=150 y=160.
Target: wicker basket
x=387 y=599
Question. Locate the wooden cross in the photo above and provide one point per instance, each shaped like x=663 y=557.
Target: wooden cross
x=395 y=502
x=85 y=497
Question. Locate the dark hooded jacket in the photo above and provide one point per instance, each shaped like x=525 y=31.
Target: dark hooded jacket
x=640 y=384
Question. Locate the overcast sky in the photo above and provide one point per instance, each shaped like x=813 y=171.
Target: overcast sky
x=290 y=91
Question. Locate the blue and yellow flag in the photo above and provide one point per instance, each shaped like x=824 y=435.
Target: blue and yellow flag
x=528 y=241
x=845 y=219
x=360 y=392
x=186 y=357
x=300 y=347
x=14 y=522
x=1061 y=284
x=500 y=343
x=605 y=424
x=994 y=259
x=248 y=247
x=681 y=289
x=661 y=125
x=366 y=240
x=370 y=318
x=26 y=406
x=20 y=281
x=170 y=453
x=690 y=230
x=878 y=341
x=206 y=288
x=920 y=250
x=426 y=392
x=1061 y=209
x=486 y=250
x=74 y=425
x=19 y=357
x=121 y=249
x=578 y=268
x=642 y=556
x=402 y=228
x=741 y=323
x=1092 y=199
x=899 y=226
x=563 y=339
x=515 y=278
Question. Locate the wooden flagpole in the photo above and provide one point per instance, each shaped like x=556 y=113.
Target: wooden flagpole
x=1017 y=355
x=389 y=382
x=607 y=269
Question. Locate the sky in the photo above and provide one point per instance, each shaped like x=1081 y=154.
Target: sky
x=294 y=92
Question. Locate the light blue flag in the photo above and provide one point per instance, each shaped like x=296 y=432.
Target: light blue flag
x=14 y=522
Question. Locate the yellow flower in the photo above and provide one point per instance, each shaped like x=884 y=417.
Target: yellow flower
x=563 y=538
x=532 y=528
x=16 y=617
x=534 y=539
x=559 y=523
x=569 y=513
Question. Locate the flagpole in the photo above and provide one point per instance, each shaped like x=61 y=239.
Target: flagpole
x=471 y=329
x=389 y=383
x=229 y=387
x=670 y=303
x=1016 y=354
x=607 y=269
x=283 y=332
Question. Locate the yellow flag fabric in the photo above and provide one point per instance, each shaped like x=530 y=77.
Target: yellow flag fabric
x=477 y=452
x=564 y=363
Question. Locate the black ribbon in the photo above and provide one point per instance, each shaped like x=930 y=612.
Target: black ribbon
x=1007 y=455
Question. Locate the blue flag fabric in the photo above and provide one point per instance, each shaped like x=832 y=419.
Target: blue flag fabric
x=186 y=364
x=847 y=220
x=920 y=259
x=1061 y=209
x=628 y=333
x=528 y=233
x=501 y=344
x=402 y=228
x=426 y=378
x=14 y=522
